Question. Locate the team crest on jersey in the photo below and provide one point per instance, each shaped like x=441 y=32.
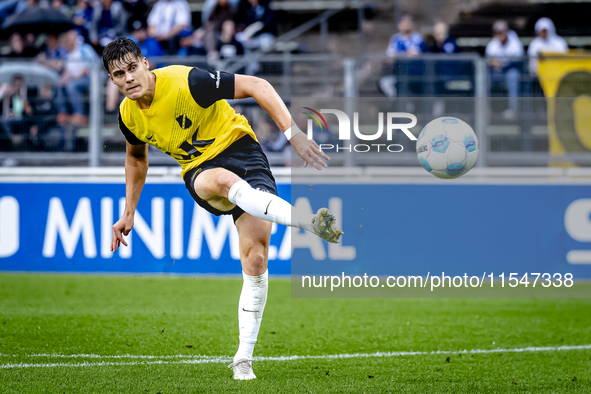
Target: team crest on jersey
x=184 y=121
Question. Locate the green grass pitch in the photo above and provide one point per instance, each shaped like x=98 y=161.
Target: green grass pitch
x=117 y=317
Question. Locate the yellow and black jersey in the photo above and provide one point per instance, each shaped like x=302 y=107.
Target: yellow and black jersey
x=189 y=118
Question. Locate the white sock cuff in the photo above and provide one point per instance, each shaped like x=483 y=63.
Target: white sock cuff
x=234 y=190
x=256 y=280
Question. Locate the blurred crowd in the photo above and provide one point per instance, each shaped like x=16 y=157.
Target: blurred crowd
x=44 y=101
x=504 y=54
x=229 y=28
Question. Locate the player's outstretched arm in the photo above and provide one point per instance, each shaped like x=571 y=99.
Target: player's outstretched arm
x=269 y=99
x=136 y=169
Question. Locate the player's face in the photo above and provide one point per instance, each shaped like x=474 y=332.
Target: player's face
x=132 y=78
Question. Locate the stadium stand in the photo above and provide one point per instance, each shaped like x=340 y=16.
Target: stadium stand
x=302 y=53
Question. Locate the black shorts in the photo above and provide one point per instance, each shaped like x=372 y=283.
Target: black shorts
x=245 y=158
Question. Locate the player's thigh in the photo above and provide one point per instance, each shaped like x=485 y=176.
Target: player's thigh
x=212 y=185
x=254 y=235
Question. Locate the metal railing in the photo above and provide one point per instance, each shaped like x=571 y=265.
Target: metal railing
x=427 y=86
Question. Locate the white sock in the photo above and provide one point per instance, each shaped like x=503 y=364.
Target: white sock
x=250 y=312
x=268 y=206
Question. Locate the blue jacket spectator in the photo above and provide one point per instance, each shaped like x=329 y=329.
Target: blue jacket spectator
x=260 y=12
x=192 y=43
x=52 y=54
x=406 y=43
x=109 y=21
x=83 y=17
x=440 y=41
x=150 y=47
x=260 y=27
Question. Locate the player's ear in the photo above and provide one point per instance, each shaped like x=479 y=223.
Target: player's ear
x=146 y=63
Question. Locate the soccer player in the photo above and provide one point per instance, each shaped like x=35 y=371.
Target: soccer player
x=182 y=111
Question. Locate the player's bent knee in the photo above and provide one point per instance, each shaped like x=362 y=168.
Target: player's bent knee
x=215 y=183
x=256 y=263
x=224 y=182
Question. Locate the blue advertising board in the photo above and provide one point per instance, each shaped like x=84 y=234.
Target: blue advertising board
x=67 y=227
x=413 y=229
x=390 y=229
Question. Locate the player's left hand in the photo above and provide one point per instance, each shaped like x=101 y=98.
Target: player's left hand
x=121 y=228
x=309 y=151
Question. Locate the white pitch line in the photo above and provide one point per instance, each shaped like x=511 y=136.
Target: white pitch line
x=106 y=363
x=124 y=356
x=225 y=359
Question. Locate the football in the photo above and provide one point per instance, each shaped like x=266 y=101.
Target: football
x=447 y=147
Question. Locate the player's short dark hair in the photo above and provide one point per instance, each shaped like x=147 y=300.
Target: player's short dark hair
x=121 y=50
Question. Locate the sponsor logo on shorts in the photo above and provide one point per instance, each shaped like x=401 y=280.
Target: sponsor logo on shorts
x=195 y=174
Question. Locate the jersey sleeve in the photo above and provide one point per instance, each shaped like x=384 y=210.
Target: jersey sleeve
x=129 y=136
x=208 y=86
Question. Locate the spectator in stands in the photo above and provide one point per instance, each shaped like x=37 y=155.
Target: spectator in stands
x=18 y=48
x=440 y=41
x=15 y=94
x=407 y=42
x=210 y=5
x=41 y=117
x=221 y=12
x=260 y=26
x=75 y=80
x=83 y=17
x=166 y=20
x=109 y=20
x=150 y=46
x=546 y=41
x=446 y=70
x=60 y=6
x=193 y=43
x=503 y=52
x=31 y=43
x=227 y=45
x=52 y=54
x=137 y=10
x=241 y=7
x=33 y=3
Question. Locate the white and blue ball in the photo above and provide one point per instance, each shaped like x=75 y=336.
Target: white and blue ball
x=447 y=147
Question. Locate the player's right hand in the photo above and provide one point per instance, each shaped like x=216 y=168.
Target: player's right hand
x=309 y=151
x=121 y=228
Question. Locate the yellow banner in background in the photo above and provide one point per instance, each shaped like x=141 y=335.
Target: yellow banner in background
x=566 y=80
